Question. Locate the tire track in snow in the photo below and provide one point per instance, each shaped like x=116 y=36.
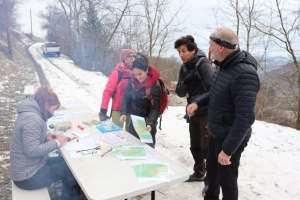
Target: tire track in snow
x=57 y=77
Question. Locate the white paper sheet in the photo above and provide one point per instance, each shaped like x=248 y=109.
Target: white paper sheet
x=82 y=144
x=81 y=135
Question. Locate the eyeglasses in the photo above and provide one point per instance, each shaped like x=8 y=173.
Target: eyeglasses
x=110 y=149
x=131 y=56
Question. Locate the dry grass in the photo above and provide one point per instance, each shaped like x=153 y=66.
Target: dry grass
x=15 y=73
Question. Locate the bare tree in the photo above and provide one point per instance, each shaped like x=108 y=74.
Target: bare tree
x=284 y=30
x=160 y=26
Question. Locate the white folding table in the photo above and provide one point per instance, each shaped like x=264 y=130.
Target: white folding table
x=107 y=177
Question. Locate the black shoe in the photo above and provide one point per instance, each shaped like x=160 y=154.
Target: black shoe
x=194 y=178
x=204 y=190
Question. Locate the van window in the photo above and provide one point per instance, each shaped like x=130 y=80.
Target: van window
x=51 y=45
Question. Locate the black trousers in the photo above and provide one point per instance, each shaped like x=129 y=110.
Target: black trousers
x=55 y=169
x=199 y=135
x=222 y=175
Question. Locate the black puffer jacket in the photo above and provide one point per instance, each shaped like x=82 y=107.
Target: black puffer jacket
x=232 y=100
x=189 y=83
x=136 y=97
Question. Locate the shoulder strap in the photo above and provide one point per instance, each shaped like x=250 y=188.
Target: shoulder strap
x=149 y=96
x=120 y=76
x=198 y=73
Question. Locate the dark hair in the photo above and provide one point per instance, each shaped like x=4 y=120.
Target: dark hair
x=186 y=40
x=43 y=97
x=141 y=62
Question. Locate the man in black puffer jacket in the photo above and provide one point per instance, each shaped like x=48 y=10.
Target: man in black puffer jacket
x=194 y=80
x=232 y=100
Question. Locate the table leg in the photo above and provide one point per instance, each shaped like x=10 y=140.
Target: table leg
x=153 y=195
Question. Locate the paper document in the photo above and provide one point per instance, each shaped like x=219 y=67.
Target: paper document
x=139 y=125
x=104 y=128
x=82 y=144
x=54 y=120
x=133 y=152
x=152 y=171
x=92 y=122
x=113 y=138
x=117 y=152
x=81 y=135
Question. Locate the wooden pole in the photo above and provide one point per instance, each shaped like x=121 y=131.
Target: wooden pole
x=31 y=22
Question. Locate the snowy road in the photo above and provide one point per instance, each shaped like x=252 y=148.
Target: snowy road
x=269 y=166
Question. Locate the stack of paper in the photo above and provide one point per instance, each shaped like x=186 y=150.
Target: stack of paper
x=133 y=152
x=152 y=171
x=113 y=138
x=75 y=148
x=92 y=122
x=127 y=151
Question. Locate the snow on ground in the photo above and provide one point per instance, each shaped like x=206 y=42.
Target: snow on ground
x=269 y=166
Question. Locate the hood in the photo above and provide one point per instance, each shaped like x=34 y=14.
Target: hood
x=153 y=76
x=237 y=57
x=29 y=105
x=191 y=64
x=124 y=69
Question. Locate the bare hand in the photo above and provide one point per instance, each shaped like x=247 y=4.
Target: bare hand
x=62 y=140
x=191 y=109
x=148 y=128
x=122 y=118
x=51 y=136
x=224 y=159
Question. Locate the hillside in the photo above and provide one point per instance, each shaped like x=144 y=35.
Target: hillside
x=14 y=75
x=269 y=165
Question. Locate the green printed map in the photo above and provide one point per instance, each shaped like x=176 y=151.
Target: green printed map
x=133 y=152
x=154 y=171
x=120 y=146
x=141 y=129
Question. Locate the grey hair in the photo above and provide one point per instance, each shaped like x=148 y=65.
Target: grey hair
x=228 y=35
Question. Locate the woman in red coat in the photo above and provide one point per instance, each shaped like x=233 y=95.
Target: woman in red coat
x=115 y=88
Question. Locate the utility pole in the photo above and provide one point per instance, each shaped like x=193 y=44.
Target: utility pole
x=7 y=30
x=31 y=23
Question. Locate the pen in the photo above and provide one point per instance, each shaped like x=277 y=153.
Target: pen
x=70 y=139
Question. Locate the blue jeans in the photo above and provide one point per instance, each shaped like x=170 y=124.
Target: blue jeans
x=55 y=169
x=152 y=132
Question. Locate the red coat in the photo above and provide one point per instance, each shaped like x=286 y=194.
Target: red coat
x=112 y=85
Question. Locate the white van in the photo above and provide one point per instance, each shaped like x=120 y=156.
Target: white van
x=51 y=48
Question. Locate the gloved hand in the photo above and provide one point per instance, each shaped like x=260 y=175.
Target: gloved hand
x=187 y=117
x=189 y=77
x=102 y=115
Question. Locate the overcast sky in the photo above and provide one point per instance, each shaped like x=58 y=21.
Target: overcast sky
x=196 y=14
x=195 y=11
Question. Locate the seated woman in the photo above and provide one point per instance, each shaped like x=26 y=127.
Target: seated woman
x=135 y=96
x=30 y=167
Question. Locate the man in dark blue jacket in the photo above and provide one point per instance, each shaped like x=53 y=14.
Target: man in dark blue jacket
x=231 y=100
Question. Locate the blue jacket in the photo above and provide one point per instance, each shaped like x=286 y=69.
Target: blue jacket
x=232 y=100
